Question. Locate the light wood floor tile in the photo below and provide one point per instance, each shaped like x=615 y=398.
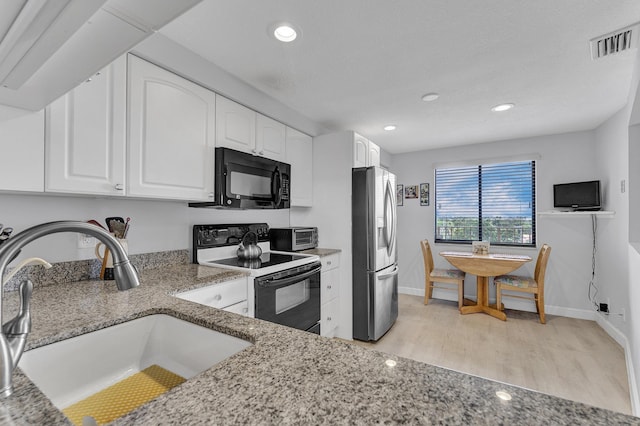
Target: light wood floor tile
x=569 y=358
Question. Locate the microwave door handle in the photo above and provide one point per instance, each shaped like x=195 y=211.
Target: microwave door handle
x=276 y=186
x=283 y=282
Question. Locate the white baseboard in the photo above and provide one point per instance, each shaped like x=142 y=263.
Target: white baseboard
x=622 y=340
x=517 y=304
x=523 y=305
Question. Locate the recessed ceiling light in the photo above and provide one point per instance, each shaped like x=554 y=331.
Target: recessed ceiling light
x=430 y=97
x=389 y=127
x=502 y=107
x=285 y=33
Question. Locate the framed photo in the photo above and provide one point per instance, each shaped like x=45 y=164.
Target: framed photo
x=399 y=195
x=424 y=194
x=480 y=247
x=411 y=191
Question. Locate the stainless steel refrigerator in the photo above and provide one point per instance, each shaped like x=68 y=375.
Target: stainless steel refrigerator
x=375 y=261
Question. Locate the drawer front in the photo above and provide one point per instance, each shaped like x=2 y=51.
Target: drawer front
x=329 y=318
x=241 y=308
x=330 y=262
x=219 y=295
x=329 y=285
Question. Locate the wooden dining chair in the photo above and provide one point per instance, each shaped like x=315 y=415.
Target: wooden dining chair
x=444 y=276
x=533 y=286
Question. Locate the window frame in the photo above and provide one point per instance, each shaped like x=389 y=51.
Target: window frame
x=533 y=242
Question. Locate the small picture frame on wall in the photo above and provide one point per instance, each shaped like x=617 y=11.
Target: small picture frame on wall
x=399 y=194
x=411 y=191
x=424 y=194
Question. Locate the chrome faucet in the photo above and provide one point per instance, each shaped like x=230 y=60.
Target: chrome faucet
x=15 y=331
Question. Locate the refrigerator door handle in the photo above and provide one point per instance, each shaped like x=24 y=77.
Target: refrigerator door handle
x=389 y=275
x=389 y=218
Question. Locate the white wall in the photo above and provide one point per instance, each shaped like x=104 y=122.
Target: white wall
x=559 y=158
x=155 y=225
x=618 y=142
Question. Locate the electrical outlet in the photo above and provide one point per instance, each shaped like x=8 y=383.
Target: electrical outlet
x=86 y=241
x=604 y=308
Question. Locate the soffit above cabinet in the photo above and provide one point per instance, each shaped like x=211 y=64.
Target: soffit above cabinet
x=48 y=47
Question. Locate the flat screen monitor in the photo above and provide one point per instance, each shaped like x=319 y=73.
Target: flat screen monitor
x=577 y=195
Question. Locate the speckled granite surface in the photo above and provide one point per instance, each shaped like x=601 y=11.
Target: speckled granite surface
x=64 y=272
x=321 y=251
x=286 y=377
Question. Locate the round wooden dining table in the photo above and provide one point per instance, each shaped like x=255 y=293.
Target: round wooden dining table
x=484 y=266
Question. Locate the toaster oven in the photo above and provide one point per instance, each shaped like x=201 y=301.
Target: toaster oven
x=294 y=238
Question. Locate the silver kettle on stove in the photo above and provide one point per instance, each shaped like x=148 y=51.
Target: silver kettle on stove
x=249 y=248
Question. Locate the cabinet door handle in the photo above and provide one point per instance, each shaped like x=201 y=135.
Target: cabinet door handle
x=119 y=187
x=328 y=287
x=261 y=153
x=253 y=151
x=212 y=195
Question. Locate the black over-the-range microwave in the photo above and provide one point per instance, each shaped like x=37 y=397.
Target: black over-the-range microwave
x=245 y=181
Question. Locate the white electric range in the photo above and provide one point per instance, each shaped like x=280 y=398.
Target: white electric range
x=282 y=287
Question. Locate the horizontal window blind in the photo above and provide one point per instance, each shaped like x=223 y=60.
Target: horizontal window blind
x=492 y=202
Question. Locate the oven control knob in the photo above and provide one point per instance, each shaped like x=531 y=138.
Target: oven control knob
x=229 y=201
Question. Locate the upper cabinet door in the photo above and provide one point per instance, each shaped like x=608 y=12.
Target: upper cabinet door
x=270 y=138
x=300 y=156
x=171 y=134
x=22 y=140
x=85 y=136
x=360 y=151
x=374 y=155
x=235 y=126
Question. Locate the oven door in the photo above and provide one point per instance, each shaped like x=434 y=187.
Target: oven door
x=290 y=297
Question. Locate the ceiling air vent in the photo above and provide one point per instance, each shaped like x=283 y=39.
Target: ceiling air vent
x=615 y=42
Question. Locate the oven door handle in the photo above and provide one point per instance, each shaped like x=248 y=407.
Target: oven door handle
x=283 y=282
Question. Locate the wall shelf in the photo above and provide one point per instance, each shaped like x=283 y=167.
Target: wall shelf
x=556 y=213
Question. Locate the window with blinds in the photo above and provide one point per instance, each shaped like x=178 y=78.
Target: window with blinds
x=490 y=202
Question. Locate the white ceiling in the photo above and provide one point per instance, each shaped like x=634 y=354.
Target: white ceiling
x=362 y=64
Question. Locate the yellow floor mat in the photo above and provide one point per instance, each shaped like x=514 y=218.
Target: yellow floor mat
x=125 y=396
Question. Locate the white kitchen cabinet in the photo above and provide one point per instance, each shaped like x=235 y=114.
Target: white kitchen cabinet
x=374 y=155
x=270 y=138
x=360 y=151
x=22 y=140
x=300 y=157
x=243 y=129
x=235 y=126
x=86 y=134
x=171 y=135
x=365 y=152
x=329 y=294
x=227 y=295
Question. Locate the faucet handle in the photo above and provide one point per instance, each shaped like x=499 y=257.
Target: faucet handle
x=21 y=324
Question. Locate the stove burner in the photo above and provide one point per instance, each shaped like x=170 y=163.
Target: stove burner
x=265 y=260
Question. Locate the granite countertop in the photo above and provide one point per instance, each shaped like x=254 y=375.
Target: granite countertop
x=322 y=252
x=286 y=377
